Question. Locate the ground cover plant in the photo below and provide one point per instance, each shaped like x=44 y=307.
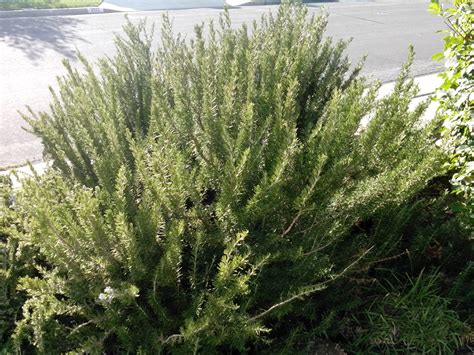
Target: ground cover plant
x=45 y=4
x=243 y=190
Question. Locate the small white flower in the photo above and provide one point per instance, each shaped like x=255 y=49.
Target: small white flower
x=107 y=296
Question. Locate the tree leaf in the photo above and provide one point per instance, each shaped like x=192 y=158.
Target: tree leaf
x=438 y=56
x=434 y=8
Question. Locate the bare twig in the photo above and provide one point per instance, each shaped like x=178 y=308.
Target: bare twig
x=406 y=252
x=307 y=292
x=290 y=227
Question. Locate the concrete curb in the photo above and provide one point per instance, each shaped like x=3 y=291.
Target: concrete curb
x=103 y=8
x=114 y=8
x=427 y=83
x=24 y=172
x=54 y=12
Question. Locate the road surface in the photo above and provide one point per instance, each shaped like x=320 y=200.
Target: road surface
x=31 y=51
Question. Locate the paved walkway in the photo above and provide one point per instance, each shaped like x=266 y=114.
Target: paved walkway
x=31 y=51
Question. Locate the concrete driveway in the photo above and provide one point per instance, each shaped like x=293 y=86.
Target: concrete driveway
x=31 y=51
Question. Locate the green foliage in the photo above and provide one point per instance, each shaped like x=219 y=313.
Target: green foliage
x=45 y=4
x=7 y=311
x=202 y=193
x=16 y=260
x=411 y=317
x=456 y=99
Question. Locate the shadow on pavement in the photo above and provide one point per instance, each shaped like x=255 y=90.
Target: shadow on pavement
x=34 y=36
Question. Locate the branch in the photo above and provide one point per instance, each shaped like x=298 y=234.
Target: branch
x=406 y=252
x=307 y=292
x=172 y=339
x=297 y=217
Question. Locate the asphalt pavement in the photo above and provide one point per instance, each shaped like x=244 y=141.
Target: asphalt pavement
x=31 y=51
